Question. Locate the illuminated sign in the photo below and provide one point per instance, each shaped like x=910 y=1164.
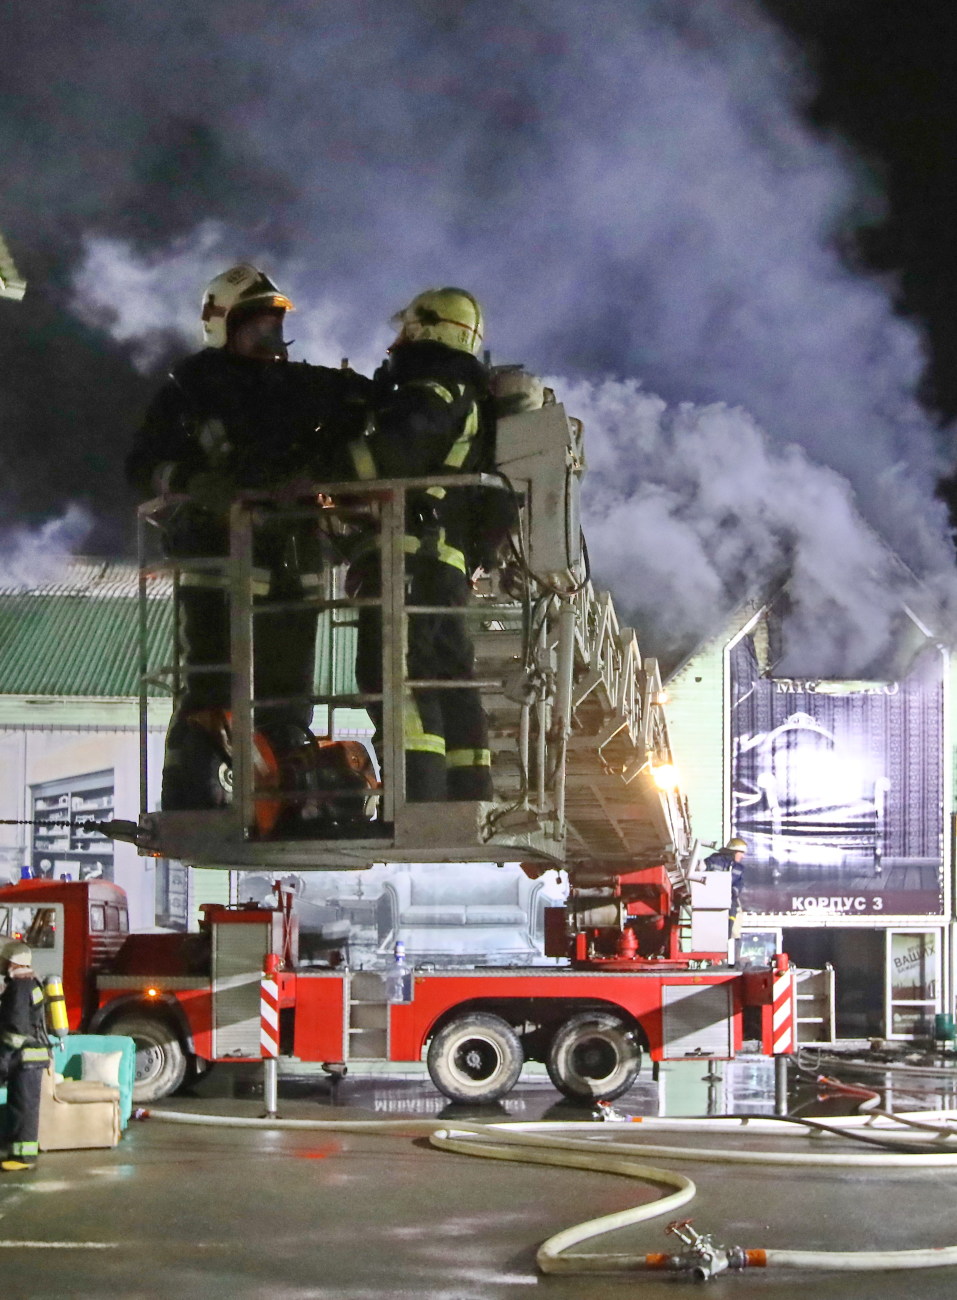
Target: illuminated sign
x=837 y=787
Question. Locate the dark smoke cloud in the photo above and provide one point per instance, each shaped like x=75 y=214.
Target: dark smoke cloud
x=629 y=188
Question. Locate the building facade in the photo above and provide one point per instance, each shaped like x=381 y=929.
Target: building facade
x=843 y=790
x=70 y=739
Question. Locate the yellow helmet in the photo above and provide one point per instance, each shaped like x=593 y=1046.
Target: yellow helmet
x=240 y=286
x=735 y=845
x=449 y=316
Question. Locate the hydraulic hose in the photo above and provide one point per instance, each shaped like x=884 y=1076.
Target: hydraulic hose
x=869 y=1099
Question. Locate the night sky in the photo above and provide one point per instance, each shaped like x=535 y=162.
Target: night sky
x=573 y=174
x=887 y=81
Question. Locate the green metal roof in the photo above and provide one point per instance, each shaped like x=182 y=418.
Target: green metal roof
x=76 y=632
x=78 y=636
x=76 y=644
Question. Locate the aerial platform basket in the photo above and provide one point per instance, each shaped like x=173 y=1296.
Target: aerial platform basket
x=577 y=729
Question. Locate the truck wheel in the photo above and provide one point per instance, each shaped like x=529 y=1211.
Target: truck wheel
x=160 y=1059
x=197 y=1067
x=477 y=1057
x=594 y=1056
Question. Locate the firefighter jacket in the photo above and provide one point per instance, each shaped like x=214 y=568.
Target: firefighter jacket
x=722 y=861
x=22 y=1022
x=249 y=423
x=431 y=415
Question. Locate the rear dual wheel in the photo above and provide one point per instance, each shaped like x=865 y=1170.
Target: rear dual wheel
x=475 y=1058
x=594 y=1056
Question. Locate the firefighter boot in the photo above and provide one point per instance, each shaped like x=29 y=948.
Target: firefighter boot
x=197 y=773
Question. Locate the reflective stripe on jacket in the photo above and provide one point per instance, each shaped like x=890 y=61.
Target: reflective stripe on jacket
x=426 y=421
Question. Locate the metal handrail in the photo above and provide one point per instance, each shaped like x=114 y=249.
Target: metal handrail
x=581 y=659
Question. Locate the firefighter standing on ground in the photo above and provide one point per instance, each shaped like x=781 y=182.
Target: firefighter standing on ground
x=430 y=416
x=24 y=1049
x=239 y=416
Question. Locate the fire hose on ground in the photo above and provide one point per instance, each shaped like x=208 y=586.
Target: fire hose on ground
x=701 y=1258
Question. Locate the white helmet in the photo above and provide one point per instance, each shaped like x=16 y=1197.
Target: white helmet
x=15 y=952
x=240 y=286
x=449 y=316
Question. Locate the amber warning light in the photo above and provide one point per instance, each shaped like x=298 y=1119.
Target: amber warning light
x=152 y=993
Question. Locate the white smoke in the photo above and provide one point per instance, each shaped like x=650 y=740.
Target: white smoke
x=638 y=201
x=40 y=557
x=143 y=300
x=689 y=510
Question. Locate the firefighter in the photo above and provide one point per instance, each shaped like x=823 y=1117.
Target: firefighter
x=24 y=1050
x=730 y=858
x=431 y=415
x=239 y=416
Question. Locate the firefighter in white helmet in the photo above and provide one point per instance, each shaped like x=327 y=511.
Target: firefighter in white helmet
x=431 y=415
x=24 y=1055
x=239 y=416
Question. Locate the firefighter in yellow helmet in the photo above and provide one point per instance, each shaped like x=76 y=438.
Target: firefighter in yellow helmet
x=730 y=858
x=431 y=415
x=24 y=1055
x=239 y=416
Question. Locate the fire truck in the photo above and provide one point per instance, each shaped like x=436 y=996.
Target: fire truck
x=584 y=781
x=192 y=999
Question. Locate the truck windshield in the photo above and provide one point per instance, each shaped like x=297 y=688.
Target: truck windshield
x=36 y=926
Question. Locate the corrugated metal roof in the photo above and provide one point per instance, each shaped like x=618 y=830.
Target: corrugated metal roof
x=77 y=643
x=77 y=635
x=82 y=576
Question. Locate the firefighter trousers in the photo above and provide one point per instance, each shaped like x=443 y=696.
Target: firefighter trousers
x=445 y=730
x=23 y=1109
x=284 y=667
x=286 y=566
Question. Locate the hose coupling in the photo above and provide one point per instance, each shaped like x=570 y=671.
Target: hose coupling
x=703 y=1258
x=604 y=1110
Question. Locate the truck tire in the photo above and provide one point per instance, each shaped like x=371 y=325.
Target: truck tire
x=160 y=1058
x=475 y=1058
x=594 y=1056
x=197 y=1067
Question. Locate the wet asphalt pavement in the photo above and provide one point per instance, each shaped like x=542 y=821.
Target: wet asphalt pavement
x=178 y=1211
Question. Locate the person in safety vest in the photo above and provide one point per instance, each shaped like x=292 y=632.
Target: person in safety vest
x=730 y=858
x=239 y=416
x=431 y=415
x=24 y=1054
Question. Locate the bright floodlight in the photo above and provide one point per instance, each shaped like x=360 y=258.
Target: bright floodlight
x=665 y=776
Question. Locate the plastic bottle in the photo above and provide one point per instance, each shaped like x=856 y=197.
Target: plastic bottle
x=399 y=978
